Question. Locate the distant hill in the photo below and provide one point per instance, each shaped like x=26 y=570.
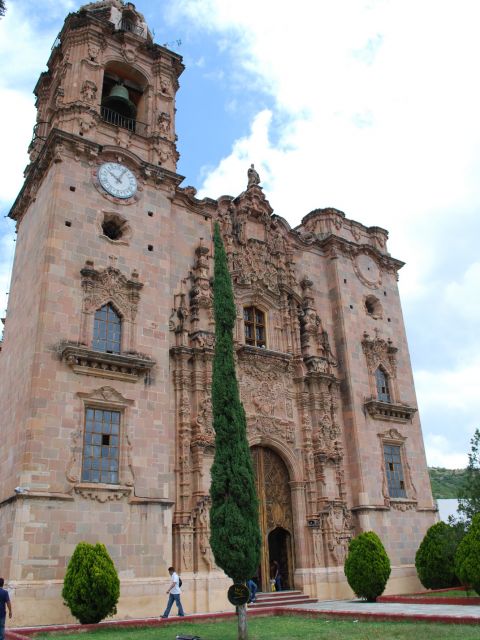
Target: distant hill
x=446 y=482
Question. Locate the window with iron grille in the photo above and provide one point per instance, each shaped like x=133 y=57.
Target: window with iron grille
x=394 y=471
x=383 y=392
x=254 y=323
x=107 y=330
x=101 y=446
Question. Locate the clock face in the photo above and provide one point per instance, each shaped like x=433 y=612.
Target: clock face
x=117 y=180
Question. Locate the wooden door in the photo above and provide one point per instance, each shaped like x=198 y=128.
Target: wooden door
x=275 y=514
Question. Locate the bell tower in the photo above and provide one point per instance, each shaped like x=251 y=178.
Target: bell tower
x=87 y=448
x=109 y=83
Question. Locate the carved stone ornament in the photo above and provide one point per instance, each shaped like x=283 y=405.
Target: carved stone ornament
x=110 y=285
x=337 y=529
x=106 y=396
x=203 y=433
x=380 y=352
x=367 y=270
x=102 y=494
x=201 y=520
x=89 y=91
x=265 y=380
x=127 y=367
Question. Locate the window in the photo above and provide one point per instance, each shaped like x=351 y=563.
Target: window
x=394 y=471
x=107 y=330
x=383 y=392
x=101 y=446
x=254 y=321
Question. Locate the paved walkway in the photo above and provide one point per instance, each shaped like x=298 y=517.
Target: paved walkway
x=393 y=609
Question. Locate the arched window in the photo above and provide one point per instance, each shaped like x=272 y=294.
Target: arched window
x=383 y=392
x=107 y=330
x=254 y=322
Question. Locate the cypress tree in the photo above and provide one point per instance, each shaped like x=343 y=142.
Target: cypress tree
x=235 y=533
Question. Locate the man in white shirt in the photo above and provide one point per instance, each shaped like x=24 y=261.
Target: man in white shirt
x=174 y=594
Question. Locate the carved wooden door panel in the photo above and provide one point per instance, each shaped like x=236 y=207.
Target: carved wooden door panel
x=275 y=511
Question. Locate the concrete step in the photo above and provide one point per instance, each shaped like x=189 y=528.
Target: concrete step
x=280 y=599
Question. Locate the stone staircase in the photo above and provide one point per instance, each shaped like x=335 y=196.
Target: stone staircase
x=280 y=599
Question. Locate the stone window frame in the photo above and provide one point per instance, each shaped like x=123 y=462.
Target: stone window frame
x=107 y=399
x=255 y=307
x=109 y=286
x=381 y=353
x=394 y=438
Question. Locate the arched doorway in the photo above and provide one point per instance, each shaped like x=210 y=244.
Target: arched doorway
x=275 y=513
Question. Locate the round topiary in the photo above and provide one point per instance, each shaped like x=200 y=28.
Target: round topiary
x=367 y=566
x=91 y=587
x=467 y=558
x=435 y=558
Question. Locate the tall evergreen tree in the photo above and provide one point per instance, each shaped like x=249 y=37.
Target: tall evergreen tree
x=235 y=534
x=469 y=503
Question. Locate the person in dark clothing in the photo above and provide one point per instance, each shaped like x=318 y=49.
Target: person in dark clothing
x=276 y=575
x=4 y=605
x=252 y=587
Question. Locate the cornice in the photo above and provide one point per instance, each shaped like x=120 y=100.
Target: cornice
x=53 y=150
x=389 y=412
x=127 y=367
x=334 y=245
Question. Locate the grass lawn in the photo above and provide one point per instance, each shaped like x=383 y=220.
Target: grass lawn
x=289 y=628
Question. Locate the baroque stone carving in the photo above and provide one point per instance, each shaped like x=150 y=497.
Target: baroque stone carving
x=203 y=433
x=264 y=382
x=201 y=520
x=380 y=352
x=110 y=285
x=337 y=529
x=89 y=91
x=102 y=494
x=314 y=340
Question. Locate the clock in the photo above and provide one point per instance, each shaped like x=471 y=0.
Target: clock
x=117 y=180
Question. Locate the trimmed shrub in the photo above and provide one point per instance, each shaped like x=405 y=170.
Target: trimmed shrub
x=367 y=566
x=91 y=587
x=435 y=558
x=467 y=558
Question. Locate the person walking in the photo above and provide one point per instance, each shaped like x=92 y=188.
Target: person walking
x=4 y=605
x=252 y=587
x=174 y=594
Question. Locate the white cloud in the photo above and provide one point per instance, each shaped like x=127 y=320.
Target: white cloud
x=440 y=454
x=464 y=296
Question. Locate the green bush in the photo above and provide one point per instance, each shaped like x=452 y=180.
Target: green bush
x=367 y=566
x=435 y=558
x=91 y=587
x=467 y=558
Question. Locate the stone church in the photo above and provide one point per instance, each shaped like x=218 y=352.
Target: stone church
x=106 y=361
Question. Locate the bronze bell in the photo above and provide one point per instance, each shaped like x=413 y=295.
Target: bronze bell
x=119 y=101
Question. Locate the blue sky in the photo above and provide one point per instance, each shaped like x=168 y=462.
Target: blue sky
x=368 y=106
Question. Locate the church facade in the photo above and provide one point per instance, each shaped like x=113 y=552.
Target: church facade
x=106 y=361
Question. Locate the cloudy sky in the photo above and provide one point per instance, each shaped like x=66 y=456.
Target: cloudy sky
x=369 y=106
